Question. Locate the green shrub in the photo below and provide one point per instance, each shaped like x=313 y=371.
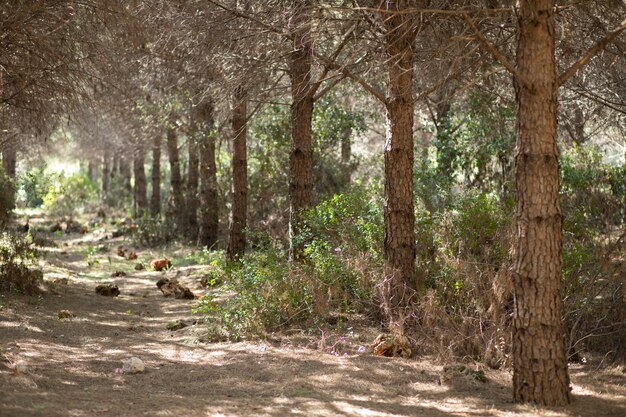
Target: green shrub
x=34 y=185
x=68 y=195
x=18 y=268
x=151 y=232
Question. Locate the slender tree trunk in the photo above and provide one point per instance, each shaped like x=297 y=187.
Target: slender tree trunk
x=238 y=221
x=208 y=211
x=301 y=155
x=92 y=171
x=155 y=197
x=141 y=198
x=400 y=285
x=193 y=180
x=346 y=158
x=539 y=358
x=106 y=173
x=176 y=181
x=9 y=161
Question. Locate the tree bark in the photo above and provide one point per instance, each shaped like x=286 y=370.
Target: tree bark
x=9 y=161
x=155 y=197
x=193 y=180
x=400 y=284
x=301 y=154
x=92 y=171
x=125 y=172
x=106 y=173
x=238 y=221
x=208 y=211
x=141 y=199
x=176 y=181
x=539 y=358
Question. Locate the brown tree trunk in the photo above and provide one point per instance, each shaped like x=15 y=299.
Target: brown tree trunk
x=141 y=198
x=92 y=171
x=125 y=172
x=301 y=154
x=400 y=285
x=106 y=173
x=208 y=211
x=539 y=359
x=238 y=221
x=176 y=181
x=155 y=197
x=193 y=180
x=9 y=161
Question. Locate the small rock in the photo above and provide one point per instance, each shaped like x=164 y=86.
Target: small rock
x=176 y=325
x=108 y=290
x=117 y=233
x=133 y=366
x=160 y=264
x=66 y=314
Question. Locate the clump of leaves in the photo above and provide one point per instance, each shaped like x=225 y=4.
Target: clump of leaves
x=18 y=269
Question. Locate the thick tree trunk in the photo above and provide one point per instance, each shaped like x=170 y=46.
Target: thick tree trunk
x=193 y=180
x=238 y=221
x=400 y=285
x=176 y=181
x=208 y=211
x=539 y=359
x=141 y=198
x=301 y=154
x=155 y=197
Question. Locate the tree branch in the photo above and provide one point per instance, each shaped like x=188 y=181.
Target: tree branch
x=583 y=60
x=496 y=54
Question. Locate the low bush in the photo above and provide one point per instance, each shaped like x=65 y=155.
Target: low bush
x=68 y=195
x=18 y=268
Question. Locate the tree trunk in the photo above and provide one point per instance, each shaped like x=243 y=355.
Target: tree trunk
x=92 y=171
x=155 y=197
x=106 y=173
x=346 y=159
x=301 y=154
x=193 y=180
x=539 y=359
x=176 y=181
x=238 y=221
x=9 y=161
x=400 y=285
x=126 y=175
x=208 y=211
x=141 y=198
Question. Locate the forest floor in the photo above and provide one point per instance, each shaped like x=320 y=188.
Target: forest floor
x=70 y=367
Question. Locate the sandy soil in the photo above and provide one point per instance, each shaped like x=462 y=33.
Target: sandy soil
x=67 y=367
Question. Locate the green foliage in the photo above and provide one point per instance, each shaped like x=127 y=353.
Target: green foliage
x=34 y=186
x=18 y=268
x=7 y=197
x=152 y=232
x=69 y=194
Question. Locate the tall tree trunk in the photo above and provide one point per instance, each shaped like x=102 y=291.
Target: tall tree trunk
x=125 y=173
x=238 y=221
x=208 y=211
x=176 y=181
x=346 y=159
x=539 y=358
x=106 y=173
x=9 y=161
x=301 y=154
x=193 y=180
x=400 y=284
x=155 y=197
x=92 y=171
x=141 y=198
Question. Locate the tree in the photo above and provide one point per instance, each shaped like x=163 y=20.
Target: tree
x=539 y=359
x=155 y=197
x=238 y=221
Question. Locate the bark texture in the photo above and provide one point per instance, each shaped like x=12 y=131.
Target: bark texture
x=155 y=197
x=9 y=161
x=301 y=153
x=400 y=284
x=141 y=198
x=176 y=181
x=106 y=173
x=539 y=358
x=208 y=211
x=193 y=180
x=238 y=221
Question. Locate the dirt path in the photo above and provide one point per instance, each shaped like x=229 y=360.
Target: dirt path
x=68 y=367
